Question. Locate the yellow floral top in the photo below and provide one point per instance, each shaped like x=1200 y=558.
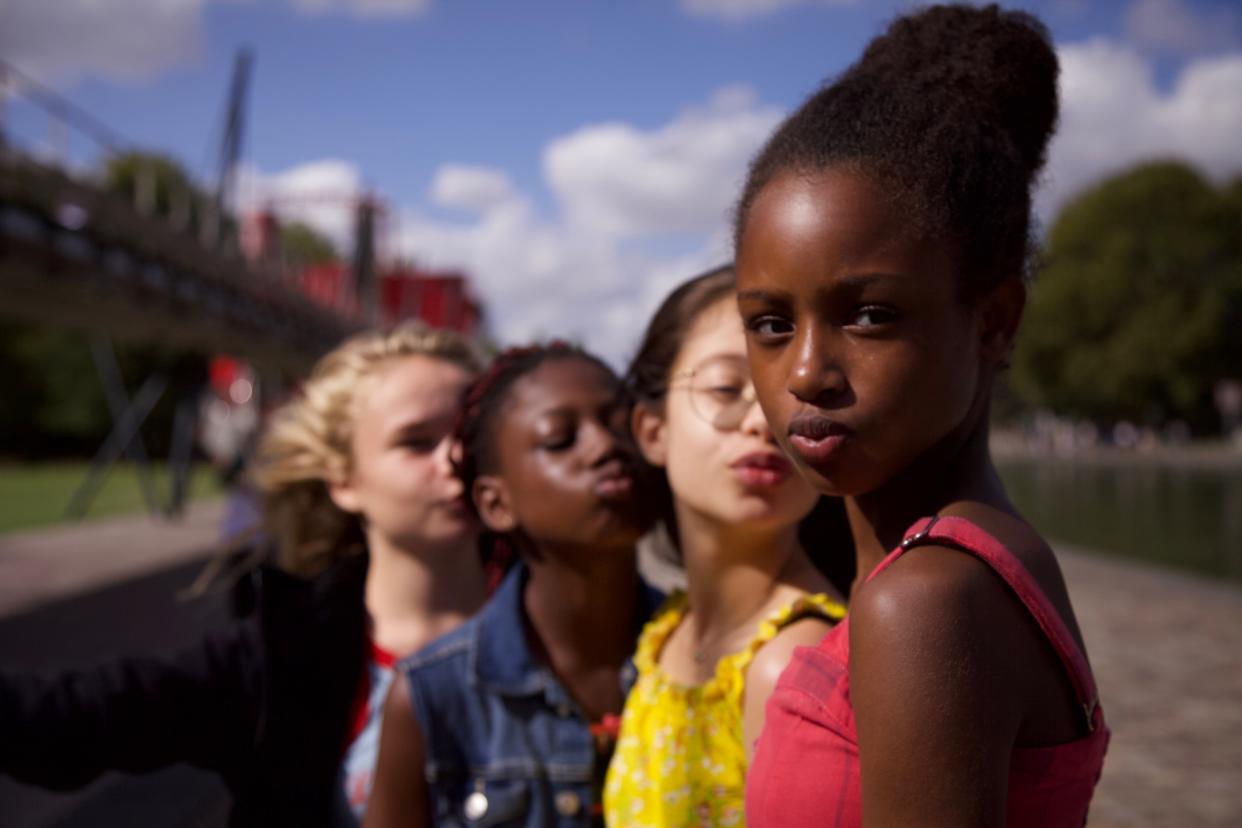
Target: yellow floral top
x=680 y=759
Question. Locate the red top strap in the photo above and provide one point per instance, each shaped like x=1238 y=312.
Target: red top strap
x=959 y=533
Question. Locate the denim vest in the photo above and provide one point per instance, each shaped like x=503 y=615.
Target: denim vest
x=504 y=742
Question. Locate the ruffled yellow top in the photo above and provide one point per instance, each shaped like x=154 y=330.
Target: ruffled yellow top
x=680 y=759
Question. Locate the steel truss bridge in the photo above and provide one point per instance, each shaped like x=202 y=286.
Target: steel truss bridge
x=73 y=254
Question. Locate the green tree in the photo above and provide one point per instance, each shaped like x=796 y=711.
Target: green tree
x=1136 y=313
x=305 y=245
x=158 y=183
x=63 y=410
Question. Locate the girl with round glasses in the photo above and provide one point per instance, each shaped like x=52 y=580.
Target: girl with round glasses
x=708 y=660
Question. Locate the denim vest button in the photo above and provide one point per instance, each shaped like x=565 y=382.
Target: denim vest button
x=563 y=710
x=476 y=806
x=567 y=803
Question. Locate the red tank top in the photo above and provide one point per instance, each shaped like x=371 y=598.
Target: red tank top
x=806 y=769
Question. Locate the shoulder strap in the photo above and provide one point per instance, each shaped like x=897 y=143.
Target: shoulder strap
x=959 y=533
x=656 y=631
x=817 y=605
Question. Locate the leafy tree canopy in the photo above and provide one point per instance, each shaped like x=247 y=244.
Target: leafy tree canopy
x=144 y=175
x=305 y=245
x=1138 y=311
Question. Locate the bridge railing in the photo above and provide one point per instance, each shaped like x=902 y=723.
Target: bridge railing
x=76 y=252
x=41 y=125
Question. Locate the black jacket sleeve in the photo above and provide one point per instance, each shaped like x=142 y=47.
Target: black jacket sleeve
x=200 y=706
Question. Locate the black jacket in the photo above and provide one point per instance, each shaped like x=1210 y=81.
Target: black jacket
x=265 y=702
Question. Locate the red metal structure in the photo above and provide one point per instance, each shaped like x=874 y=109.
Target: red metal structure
x=442 y=299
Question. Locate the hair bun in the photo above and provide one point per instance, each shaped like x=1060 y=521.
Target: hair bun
x=986 y=64
x=952 y=109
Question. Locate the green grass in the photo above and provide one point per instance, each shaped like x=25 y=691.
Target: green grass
x=38 y=494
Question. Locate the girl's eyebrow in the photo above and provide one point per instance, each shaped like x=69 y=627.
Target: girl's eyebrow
x=761 y=295
x=852 y=280
x=570 y=411
x=723 y=356
x=423 y=424
x=862 y=280
x=555 y=411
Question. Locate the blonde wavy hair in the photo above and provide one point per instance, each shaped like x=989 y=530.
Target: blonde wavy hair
x=307 y=443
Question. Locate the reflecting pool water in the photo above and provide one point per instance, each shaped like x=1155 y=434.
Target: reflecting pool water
x=1184 y=517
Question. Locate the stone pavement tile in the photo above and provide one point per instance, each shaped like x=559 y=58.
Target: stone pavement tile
x=1167 y=653
x=42 y=565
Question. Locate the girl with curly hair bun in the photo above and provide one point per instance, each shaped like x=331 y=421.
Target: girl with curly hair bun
x=882 y=238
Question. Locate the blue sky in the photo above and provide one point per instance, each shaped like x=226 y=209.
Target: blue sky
x=577 y=158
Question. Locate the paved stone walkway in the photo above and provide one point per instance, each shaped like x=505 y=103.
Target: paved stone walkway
x=1166 y=648
x=1167 y=652
x=42 y=565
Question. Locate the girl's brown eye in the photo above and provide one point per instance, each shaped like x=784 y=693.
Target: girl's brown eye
x=769 y=326
x=557 y=442
x=725 y=393
x=421 y=445
x=870 y=316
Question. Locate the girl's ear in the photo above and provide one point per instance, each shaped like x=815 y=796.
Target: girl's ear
x=495 y=506
x=999 y=314
x=651 y=434
x=345 y=496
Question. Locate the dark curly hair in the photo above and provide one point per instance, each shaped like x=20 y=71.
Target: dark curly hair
x=951 y=110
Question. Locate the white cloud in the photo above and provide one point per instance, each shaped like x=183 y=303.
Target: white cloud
x=323 y=194
x=619 y=181
x=123 y=39
x=364 y=8
x=595 y=269
x=737 y=10
x=1173 y=26
x=470 y=188
x=1113 y=115
x=57 y=41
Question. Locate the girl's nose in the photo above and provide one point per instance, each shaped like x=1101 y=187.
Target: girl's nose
x=447 y=455
x=600 y=441
x=815 y=374
x=754 y=422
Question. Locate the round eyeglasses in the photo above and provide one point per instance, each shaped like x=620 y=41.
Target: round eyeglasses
x=720 y=389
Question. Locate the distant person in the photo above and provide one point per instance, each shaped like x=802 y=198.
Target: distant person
x=509 y=719
x=882 y=237
x=373 y=555
x=231 y=410
x=709 y=659
x=243 y=514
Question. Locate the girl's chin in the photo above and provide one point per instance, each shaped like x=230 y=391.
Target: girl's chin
x=761 y=512
x=776 y=500
x=450 y=528
x=823 y=481
x=608 y=551
x=622 y=536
